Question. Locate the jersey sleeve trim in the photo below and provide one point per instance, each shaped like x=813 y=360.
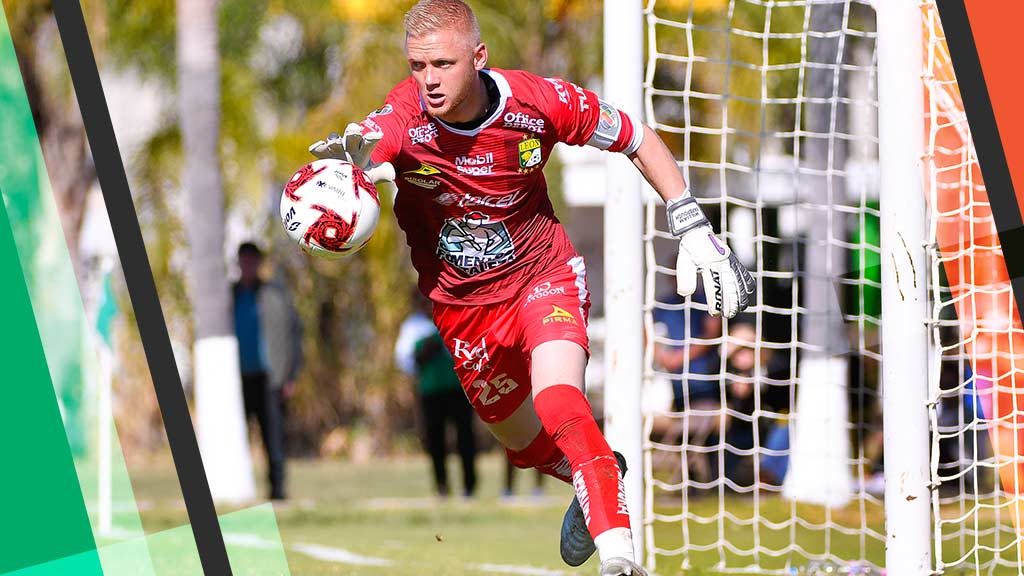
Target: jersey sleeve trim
x=638 y=135
x=392 y=119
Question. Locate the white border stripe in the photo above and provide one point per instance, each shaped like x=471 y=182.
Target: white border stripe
x=579 y=266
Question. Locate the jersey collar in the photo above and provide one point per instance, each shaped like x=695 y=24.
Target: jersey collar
x=504 y=91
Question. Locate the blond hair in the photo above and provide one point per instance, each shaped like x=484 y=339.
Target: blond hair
x=429 y=16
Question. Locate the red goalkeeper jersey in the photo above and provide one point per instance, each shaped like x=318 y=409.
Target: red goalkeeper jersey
x=474 y=203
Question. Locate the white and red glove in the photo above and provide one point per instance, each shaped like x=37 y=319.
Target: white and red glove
x=356 y=146
x=727 y=284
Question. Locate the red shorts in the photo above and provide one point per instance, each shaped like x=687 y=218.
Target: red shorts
x=492 y=343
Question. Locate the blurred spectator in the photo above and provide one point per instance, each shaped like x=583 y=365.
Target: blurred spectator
x=510 y=481
x=741 y=380
x=695 y=367
x=270 y=354
x=700 y=362
x=964 y=439
x=757 y=396
x=420 y=353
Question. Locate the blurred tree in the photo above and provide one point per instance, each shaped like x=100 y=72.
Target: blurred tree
x=55 y=111
x=215 y=351
x=826 y=114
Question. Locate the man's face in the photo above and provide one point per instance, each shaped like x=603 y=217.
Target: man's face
x=249 y=267
x=445 y=66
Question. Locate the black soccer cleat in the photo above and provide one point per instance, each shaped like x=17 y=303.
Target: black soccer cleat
x=576 y=545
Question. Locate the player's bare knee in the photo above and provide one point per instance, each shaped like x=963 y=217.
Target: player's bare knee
x=518 y=430
x=557 y=362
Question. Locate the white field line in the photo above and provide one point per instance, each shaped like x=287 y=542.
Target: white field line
x=314 y=551
x=249 y=541
x=512 y=569
x=339 y=555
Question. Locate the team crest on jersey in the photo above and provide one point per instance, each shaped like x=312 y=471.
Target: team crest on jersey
x=474 y=245
x=531 y=154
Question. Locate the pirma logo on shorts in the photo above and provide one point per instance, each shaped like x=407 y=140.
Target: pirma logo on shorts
x=559 y=315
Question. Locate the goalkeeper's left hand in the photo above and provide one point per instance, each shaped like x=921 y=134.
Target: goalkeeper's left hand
x=727 y=284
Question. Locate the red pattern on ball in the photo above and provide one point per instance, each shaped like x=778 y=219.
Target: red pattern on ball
x=320 y=234
x=363 y=181
x=305 y=174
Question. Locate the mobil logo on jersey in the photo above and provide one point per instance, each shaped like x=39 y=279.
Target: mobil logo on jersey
x=473 y=244
x=475 y=164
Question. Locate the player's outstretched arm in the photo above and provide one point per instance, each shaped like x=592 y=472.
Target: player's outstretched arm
x=727 y=284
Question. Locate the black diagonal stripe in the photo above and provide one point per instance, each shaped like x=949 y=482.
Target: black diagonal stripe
x=987 y=142
x=142 y=289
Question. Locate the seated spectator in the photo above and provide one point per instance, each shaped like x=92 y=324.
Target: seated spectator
x=695 y=367
x=697 y=364
x=742 y=384
x=749 y=398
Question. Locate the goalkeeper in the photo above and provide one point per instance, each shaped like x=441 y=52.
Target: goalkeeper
x=466 y=144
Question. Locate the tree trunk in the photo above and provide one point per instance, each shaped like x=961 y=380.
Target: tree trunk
x=222 y=433
x=824 y=258
x=819 y=464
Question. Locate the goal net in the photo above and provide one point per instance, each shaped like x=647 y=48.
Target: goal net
x=975 y=402
x=763 y=437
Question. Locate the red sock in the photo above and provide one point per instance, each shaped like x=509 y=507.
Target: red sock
x=543 y=455
x=566 y=416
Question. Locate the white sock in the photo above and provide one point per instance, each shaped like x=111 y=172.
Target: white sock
x=615 y=543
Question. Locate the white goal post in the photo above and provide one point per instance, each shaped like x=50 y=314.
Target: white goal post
x=827 y=143
x=623 y=295
x=905 y=336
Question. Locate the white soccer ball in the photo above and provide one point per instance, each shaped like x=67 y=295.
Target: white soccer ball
x=330 y=208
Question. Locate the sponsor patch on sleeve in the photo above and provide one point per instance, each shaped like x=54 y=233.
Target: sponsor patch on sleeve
x=609 y=126
x=382 y=111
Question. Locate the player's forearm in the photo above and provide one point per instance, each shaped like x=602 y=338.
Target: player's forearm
x=656 y=163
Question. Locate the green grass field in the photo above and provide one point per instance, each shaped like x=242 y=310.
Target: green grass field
x=384 y=511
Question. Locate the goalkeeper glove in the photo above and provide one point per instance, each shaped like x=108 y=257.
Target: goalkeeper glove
x=356 y=146
x=727 y=284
